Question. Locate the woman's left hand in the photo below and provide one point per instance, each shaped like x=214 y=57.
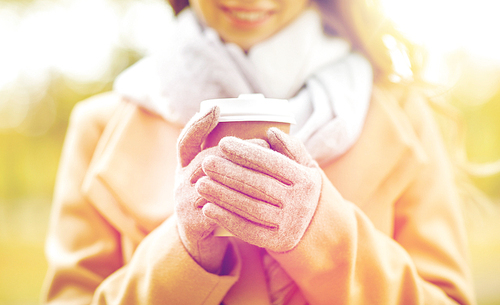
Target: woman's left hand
x=266 y=197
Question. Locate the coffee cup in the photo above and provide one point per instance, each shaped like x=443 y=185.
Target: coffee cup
x=247 y=117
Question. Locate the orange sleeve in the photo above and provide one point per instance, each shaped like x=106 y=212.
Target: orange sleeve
x=344 y=259
x=84 y=250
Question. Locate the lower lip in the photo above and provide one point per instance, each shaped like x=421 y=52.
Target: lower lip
x=244 y=23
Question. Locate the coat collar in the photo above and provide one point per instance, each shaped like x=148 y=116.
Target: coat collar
x=382 y=163
x=388 y=143
x=132 y=171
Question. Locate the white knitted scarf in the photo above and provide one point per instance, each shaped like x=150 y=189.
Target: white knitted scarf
x=328 y=86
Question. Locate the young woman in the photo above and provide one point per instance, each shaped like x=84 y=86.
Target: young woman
x=357 y=206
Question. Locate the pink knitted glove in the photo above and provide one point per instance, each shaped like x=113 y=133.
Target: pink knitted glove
x=264 y=197
x=196 y=230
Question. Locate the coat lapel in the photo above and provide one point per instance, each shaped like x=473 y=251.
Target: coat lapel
x=132 y=172
x=375 y=171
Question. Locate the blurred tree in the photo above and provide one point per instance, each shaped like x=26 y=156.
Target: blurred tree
x=29 y=153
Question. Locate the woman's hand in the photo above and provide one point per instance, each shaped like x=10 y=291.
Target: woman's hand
x=195 y=229
x=266 y=197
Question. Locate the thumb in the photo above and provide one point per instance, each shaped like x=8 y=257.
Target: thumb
x=194 y=133
x=289 y=146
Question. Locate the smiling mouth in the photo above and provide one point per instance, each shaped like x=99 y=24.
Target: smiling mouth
x=247 y=16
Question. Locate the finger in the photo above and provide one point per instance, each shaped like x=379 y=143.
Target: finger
x=200 y=202
x=240 y=227
x=196 y=174
x=252 y=210
x=260 y=142
x=196 y=171
x=266 y=161
x=288 y=146
x=249 y=182
x=195 y=132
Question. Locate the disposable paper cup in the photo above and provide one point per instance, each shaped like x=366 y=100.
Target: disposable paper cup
x=247 y=117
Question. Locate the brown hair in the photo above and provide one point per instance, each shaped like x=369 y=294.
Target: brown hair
x=363 y=23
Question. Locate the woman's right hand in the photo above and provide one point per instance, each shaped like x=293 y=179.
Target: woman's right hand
x=195 y=229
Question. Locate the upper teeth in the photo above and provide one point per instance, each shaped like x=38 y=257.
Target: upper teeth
x=249 y=16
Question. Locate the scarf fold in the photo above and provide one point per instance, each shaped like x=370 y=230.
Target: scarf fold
x=327 y=85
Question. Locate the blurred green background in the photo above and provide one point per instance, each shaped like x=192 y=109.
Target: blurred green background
x=56 y=53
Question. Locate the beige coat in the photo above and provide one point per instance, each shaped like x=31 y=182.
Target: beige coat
x=389 y=230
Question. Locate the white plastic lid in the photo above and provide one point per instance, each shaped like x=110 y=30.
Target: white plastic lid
x=251 y=107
